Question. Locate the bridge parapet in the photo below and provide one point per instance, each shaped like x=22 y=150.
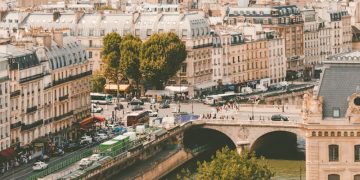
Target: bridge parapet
x=250 y=122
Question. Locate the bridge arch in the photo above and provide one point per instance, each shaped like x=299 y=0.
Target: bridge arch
x=279 y=144
x=198 y=136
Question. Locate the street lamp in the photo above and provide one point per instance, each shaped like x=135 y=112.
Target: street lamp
x=192 y=105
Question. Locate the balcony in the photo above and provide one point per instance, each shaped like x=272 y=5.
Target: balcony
x=71 y=78
x=30 y=78
x=15 y=93
x=25 y=127
x=203 y=45
x=15 y=125
x=62 y=98
x=58 y=118
x=47 y=121
x=31 y=109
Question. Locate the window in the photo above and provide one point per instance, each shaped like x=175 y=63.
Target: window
x=357 y=177
x=333 y=177
x=357 y=153
x=333 y=153
x=90 y=54
x=90 y=43
x=336 y=112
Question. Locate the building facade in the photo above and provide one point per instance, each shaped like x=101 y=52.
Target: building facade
x=5 y=106
x=332 y=117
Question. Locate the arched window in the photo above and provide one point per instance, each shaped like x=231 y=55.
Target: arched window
x=333 y=153
x=357 y=177
x=313 y=133
x=357 y=153
x=333 y=177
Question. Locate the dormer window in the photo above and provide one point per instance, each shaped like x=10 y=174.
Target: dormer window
x=336 y=112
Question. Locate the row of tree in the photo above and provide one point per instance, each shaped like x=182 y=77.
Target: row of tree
x=153 y=61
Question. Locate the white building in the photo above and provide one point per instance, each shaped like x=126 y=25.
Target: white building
x=4 y=105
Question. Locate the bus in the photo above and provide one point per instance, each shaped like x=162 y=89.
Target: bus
x=99 y=98
x=137 y=117
x=220 y=99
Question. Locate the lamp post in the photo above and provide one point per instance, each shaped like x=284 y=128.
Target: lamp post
x=180 y=93
x=192 y=105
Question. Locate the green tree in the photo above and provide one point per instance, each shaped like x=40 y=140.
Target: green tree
x=130 y=59
x=111 y=57
x=98 y=82
x=161 y=57
x=229 y=165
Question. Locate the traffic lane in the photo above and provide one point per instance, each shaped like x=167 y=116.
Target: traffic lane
x=27 y=172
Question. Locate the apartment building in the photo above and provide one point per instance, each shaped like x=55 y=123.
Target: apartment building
x=331 y=118
x=287 y=20
x=49 y=87
x=4 y=105
x=90 y=28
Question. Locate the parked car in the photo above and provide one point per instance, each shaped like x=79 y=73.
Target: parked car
x=101 y=137
x=279 y=117
x=137 y=108
x=39 y=166
x=118 y=107
x=164 y=105
x=96 y=109
x=86 y=140
x=94 y=157
x=85 y=162
x=152 y=113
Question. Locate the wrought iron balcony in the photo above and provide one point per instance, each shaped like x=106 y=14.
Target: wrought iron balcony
x=15 y=125
x=58 y=118
x=25 y=127
x=30 y=78
x=62 y=98
x=31 y=109
x=15 y=93
x=71 y=78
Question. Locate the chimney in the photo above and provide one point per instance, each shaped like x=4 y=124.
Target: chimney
x=58 y=38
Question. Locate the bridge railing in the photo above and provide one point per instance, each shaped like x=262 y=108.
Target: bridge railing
x=249 y=122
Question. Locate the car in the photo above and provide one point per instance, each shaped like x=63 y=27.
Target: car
x=118 y=107
x=85 y=162
x=164 y=105
x=38 y=166
x=86 y=140
x=152 y=113
x=137 y=108
x=96 y=109
x=101 y=136
x=279 y=117
x=94 y=157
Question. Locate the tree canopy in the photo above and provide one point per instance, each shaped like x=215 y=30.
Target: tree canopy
x=111 y=56
x=161 y=57
x=130 y=58
x=98 y=82
x=229 y=165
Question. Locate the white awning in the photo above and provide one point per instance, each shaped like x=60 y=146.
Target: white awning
x=206 y=85
x=157 y=92
x=177 y=89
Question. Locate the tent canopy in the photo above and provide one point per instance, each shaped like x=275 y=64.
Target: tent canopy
x=113 y=87
x=93 y=119
x=177 y=89
x=157 y=92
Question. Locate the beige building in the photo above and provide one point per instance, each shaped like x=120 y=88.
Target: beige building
x=50 y=87
x=332 y=117
x=4 y=105
x=286 y=20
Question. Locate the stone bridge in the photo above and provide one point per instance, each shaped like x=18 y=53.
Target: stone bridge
x=244 y=133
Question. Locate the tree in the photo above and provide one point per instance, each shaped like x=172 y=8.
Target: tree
x=111 y=58
x=98 y=82
x=130 y=59
x=161 y=57
x=229 y=165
